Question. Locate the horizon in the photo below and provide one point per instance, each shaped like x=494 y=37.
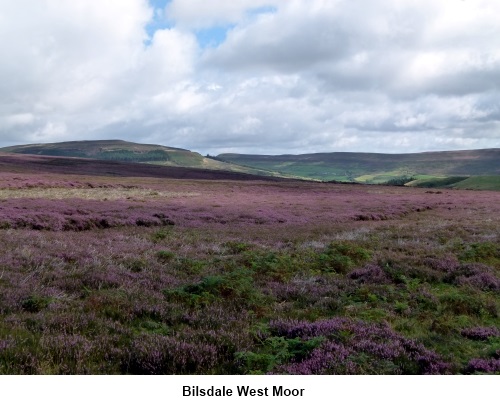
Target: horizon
x=238 y=153
x=262 y=76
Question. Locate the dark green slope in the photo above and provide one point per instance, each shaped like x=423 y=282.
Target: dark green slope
x=106 y=150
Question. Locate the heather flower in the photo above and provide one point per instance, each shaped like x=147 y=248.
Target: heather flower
x=156 y=354
x=476 y=275
x=480 y=333
x=371 y=273
x=353 y=338
x=483 y=366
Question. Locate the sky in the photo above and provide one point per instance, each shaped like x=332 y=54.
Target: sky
x=253 y=76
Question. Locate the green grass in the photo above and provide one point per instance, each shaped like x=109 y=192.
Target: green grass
x=458 y=182
x=479 y=183
x=438 y=182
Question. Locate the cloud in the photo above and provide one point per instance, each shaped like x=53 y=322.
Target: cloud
x=282 y=76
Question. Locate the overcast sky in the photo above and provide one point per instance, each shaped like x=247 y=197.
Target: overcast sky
x=253 y=76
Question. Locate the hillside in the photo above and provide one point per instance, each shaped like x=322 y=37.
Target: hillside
x=459 y=183
x=451 y=169
x=375 y=167
x=108 y=150
x=117 y=150
x=22 y=164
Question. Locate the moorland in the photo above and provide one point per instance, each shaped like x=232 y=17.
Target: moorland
x=126 y=268
x=463 y=169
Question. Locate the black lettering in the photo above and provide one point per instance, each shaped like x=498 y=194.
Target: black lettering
x=286 y=392
x=243 y=390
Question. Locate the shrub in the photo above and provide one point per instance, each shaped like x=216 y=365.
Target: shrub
x=236 y=287
x=278 y=267
x=164 y=256
x=189 y=266
x=235 y=247
x=481 y=252
x=371 y=273
x=354 y=347
x=160 y=235
x=460 y=302
x=136 y=265
x=340 y=257
x=275 y=351
x=35 y=303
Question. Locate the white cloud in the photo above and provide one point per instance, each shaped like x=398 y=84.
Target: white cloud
x=312 y=75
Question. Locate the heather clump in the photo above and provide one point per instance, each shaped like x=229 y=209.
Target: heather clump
x=157 y=354
x=480 y=333
x=345 y=346
x=444 y=265
x=371 y=273
x=403 y=269
x=476 y=275
x=481 y=366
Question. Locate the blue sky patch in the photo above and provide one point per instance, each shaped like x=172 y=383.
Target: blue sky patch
x=212 y=37
x=159 y=20
x=261 y=10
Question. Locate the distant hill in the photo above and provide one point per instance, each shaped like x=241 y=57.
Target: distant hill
x=117 y=150
x=375 y=167
x=105 y=150
x=466 y=169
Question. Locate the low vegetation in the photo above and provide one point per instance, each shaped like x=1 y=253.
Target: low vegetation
x=246 y=277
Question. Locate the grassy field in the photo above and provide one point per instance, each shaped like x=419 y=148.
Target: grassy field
x=161 y=275
x=479 y=183
x=458 y=182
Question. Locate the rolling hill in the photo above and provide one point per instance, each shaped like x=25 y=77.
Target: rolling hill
x=375 y=167
x=466 y=169
x=117 y=150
